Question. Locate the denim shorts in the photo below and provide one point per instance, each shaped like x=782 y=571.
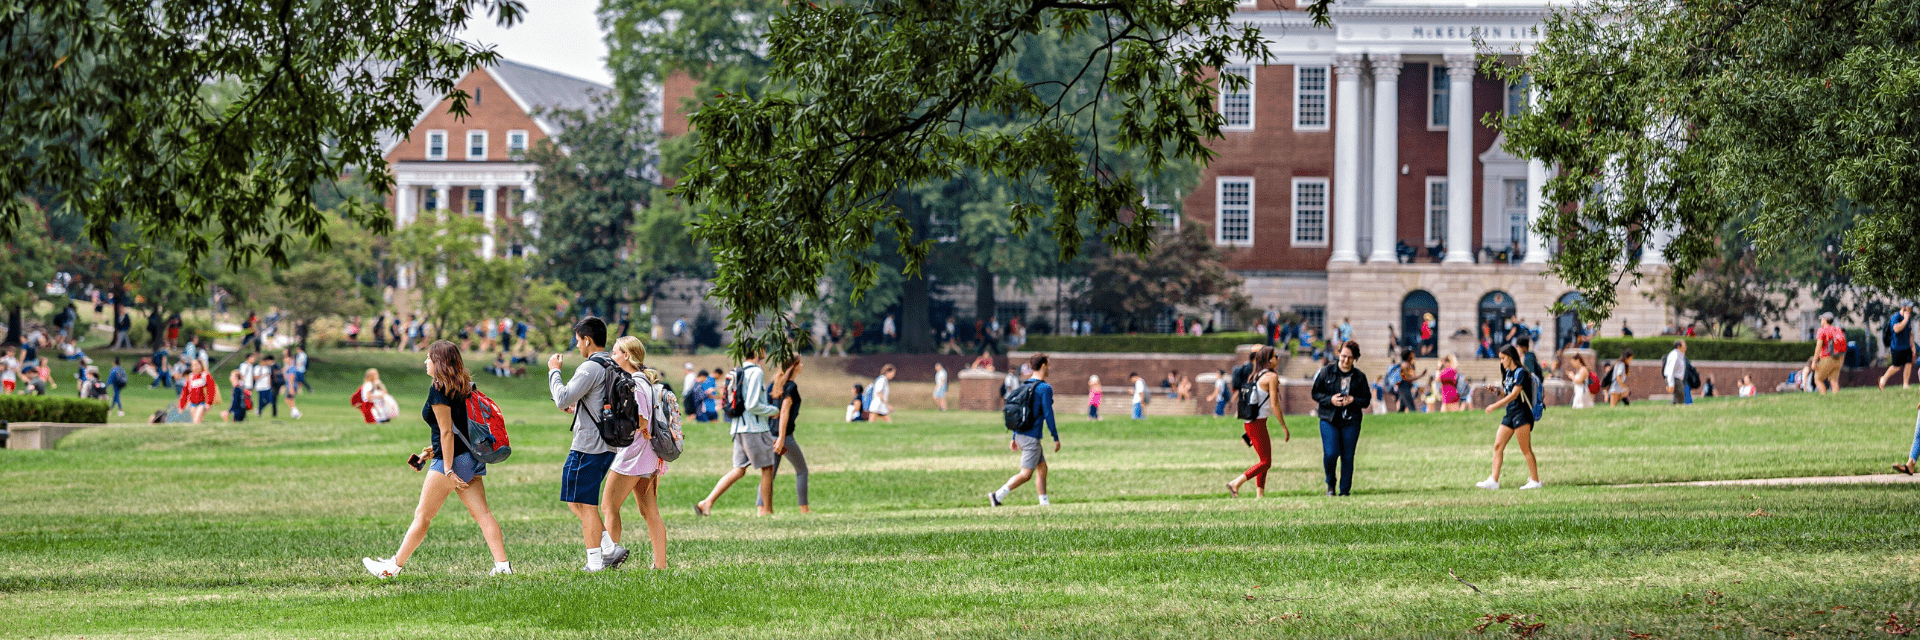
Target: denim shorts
x=464 y=466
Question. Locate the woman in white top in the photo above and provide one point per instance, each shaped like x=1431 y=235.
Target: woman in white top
x=880 y=406
x=1266 y=386
x=374 y=392
x=940 y=386
x=1580 y=375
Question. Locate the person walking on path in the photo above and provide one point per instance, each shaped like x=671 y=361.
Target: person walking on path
x=1830 y=345
x=753 y=443
x=453 y=468
x=1900 y=345
x=1522 y=390
x=1266 y=387
x=588 y=457
x=1340 y=390
x=1033 y=461
x=880 y=394
x=1449 y=382
x=1617 y=391
x=1583 y=380
x=786 y=395
x=939 y=386
x=636 y=468
x=1674 y=368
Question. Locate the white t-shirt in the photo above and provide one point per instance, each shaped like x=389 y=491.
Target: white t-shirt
x=1220 y=387
x=1139 y=391
x=12 y=371
x=940 y=379
x=1676 y=367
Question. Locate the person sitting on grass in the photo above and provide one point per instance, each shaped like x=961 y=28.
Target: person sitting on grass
x=1033 y=462
x=857 y=410
x=452 y=467
x=1522 y=392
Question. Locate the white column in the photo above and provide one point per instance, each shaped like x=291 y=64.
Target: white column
x=1460 y=157
x=1536 y=200
x=1346 y=158
x=442 y=197
x=402 y=204
x=488 y=204
x=1386 y=155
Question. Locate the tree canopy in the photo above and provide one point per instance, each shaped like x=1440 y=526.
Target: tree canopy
x=108 y=113
x=1779 y=117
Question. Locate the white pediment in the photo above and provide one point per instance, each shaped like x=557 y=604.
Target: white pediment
x=1497 y=153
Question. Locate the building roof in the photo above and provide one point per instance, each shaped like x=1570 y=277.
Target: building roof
x=533 y=89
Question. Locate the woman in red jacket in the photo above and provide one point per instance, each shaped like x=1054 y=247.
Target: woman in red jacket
x=199 y=391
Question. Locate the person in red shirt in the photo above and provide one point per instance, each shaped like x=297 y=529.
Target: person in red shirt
x=1830 y=345
x=199 y=391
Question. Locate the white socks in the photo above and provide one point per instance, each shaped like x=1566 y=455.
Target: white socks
x=502 y=567
x=1002 y=492
x=606 y=543
x=1043 y=500
x=594 y=561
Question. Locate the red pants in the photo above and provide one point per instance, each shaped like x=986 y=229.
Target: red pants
x=1263 y=447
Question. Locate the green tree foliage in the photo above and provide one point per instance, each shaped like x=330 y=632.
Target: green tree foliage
x=31 y=257
x=868 y=98
x=108 y=113
x=601 y=233
x=1136 y=288
x=458 y=286
x=1687 y=116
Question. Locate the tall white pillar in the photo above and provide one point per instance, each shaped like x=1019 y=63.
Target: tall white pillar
x=1386 y=155
x=402 y=204
x=1536 y=198
x=488 y=209
x=1460 y=68
x=442 y=198
x=1346 y=158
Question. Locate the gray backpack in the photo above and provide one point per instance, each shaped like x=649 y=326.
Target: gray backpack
x=663 y=426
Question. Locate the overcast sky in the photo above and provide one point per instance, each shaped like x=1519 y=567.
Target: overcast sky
x=560 y=35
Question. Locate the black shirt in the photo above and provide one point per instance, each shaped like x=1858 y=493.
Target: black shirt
x=790 y=392
x=459 y=406
x=1520 y=411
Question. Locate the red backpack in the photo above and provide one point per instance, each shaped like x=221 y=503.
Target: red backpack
x=486 y=432
x=1593 y=382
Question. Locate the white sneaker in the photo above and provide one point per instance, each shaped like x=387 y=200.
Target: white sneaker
x=993 y=498
x=1488 y=484
x=593 y=569
x=501 y=571
x=614 y=557
x=1531 y=484
x=123 y=414
x=381 y=568
x=296 y=414
x=1044 y=502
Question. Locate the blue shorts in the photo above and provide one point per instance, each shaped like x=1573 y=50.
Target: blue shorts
x=580 y=479
x=464 y=466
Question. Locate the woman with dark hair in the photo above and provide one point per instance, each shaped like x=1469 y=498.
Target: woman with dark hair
x=1265 y=387
x=1341 y=390
x=452 y=469
x=1409 y=377
x=1522 y=392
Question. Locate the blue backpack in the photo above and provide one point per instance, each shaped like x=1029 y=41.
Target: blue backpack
x=1533 y=399
x=1393 y=376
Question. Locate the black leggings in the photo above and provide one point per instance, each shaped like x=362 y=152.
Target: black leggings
x=1404 y=394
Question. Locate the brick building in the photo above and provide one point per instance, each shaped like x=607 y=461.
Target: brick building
x=1356 y=179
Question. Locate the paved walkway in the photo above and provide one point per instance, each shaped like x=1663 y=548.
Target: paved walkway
x=1888 y=478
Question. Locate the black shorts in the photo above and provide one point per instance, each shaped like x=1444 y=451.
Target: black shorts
x=1901 y=358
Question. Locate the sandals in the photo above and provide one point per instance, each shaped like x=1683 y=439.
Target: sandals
x=698 y=512
x=1904 y=468
x=1233 y=491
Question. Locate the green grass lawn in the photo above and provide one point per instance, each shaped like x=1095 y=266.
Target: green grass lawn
x=240 y=530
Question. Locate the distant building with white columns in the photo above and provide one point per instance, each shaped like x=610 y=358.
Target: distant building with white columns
x=1356 y=180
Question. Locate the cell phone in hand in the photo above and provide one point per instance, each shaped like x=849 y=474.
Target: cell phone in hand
x=416 y=462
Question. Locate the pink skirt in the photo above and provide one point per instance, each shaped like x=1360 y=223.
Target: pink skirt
x=639 y=460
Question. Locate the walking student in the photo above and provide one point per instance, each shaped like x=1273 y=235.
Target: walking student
x=242 y=385
x=1033 y=462
x=1674 y=367
x=1900 y=345
x=880 y=395
x=589 y=457
x=1266 y=387
x=1402 y=377
x=1449 y=382
x=636 y=468
x=1584 y=382
x=1617 y=391
x=1522 y=390
x=1913 y=454
x=1139 y=395
x=117 y=380
x=1830 y=345
x=785 y=394
x=268 y=384
x=1340 y=388
x=198 y=392
x=1094 y=392
x=940 y=386
x=452 y=469
x=753 y=442
x=1222 y=390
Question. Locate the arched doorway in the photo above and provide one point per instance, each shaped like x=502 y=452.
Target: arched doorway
x=1496 y=309
x=1413 y=309
x=1566 y=327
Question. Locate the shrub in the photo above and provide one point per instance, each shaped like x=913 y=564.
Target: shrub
x=1216 y=343
x=1705 y=349
x=51 y=409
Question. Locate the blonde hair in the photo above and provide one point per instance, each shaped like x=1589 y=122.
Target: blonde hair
x=634 y=349
x=373 y=375
x=1093 y=379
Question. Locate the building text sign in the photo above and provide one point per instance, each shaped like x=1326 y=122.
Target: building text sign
x=1468 y=32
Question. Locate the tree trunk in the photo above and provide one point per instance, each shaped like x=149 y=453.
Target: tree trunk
x=13 y=327
x=916 y=335
x=984 y=305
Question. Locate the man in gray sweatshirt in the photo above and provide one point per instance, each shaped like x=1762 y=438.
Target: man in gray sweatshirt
x=590 y=457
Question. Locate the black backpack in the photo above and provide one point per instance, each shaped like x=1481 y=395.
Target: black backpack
x=1243 y=381
x=1020 y=405
x=619 y=415
x=1607 y=381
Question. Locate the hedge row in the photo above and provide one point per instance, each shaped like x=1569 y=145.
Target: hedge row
x=1214 y=343
x=51 y=409
x=1707 y=349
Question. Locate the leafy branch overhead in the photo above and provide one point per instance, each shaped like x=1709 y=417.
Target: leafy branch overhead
x=113 y=112
x=868 y=98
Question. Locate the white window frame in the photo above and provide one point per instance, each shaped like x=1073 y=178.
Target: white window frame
x=469 y=144
x=1220 y=209
x=1326 y=208
x=520 y=134
x=1247 y=71
x=1439 y=86
x=442 y=133
x=1436 y=183
x=1300 y=93
x=1512 y=212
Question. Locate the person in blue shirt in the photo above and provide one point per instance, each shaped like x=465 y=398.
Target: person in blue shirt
x=1900 y=345
x=117 y=380
x=1027 y=442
